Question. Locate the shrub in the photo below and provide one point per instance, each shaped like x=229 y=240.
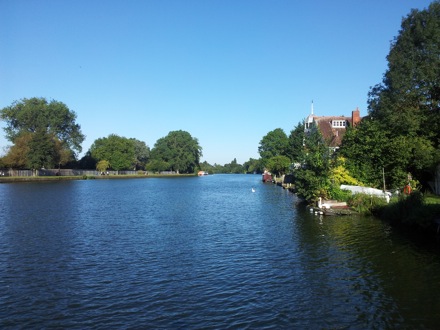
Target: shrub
x=337 y=193
x=410 y=211
x=366 y=204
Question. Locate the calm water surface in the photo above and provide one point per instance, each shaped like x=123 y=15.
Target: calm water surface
x=202 y=253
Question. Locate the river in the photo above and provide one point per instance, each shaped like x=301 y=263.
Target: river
x=202 y=253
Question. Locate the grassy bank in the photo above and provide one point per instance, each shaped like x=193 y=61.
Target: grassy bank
x=415 y=211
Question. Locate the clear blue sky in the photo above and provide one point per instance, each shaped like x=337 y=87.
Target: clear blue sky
x=226 y=71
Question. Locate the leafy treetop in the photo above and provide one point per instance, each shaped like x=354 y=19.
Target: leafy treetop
x=37 y=114
x=178 y=151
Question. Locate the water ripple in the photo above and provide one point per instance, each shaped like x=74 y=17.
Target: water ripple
x=201 y=253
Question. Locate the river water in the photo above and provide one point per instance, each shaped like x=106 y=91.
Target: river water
x=202 y=253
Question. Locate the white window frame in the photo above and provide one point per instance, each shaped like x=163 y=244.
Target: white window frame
x=339 y=123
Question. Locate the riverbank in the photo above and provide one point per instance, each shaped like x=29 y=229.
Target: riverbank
x=17 y=179
x=416 y=213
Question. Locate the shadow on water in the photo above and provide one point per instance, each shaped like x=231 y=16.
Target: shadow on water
x=380 y=268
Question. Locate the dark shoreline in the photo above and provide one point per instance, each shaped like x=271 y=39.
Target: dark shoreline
x=18 y=179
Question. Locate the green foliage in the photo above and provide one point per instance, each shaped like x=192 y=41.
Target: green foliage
x=141 y=153
x=102 y=165
x=205 y=166
x=336 y=193
x=253 y=166
x=370 y=148
x=233 y=167
x=37 y=114
x=296 y=143
x=278 y=165
x=37 y=150
x=340 y=175
x=406 y=105
x=119 y=151
x=17 y=154
x=87 y=161
x=179 y=150
x=42 y=152
x=365 y=204
x=312 y=179
x=309 y=186
x=157 y=165
x=364 y=147
x=274 y=143
x=410 y=210
x=431 y=199
x=44 y=134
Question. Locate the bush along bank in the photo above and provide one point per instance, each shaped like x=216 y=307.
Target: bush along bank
x=415 y=212
x=365 y=204
x=412 y=212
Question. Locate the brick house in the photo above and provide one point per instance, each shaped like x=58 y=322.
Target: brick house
x=332 y=128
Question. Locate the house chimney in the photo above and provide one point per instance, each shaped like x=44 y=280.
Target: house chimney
x=355 y=117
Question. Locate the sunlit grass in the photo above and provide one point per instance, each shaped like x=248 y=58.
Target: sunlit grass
x=432 y=199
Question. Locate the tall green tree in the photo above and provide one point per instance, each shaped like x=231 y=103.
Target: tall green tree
x=274 y=143
x=296 y=143
x=405 y=107
x=17 y=155
x=179 y=150
x=408 y=99
x=278 y=165
x=87 y=161
x=141 y=153
x=44 y=153
x=118 y=151
x=365 y=150
x=312 y=179
x=37 y=114
x=50 y=127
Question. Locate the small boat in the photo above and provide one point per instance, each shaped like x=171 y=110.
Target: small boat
x=334 y=208
x=202 y=173
x=267 y=177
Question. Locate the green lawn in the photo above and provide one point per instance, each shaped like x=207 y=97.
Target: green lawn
x=432 y=199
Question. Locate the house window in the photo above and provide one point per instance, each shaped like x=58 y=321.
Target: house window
x=338 y=123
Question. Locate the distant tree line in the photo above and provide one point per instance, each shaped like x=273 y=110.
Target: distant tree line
x=252 y=166
x=44 y=134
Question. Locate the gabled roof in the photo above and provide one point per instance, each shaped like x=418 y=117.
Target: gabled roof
x=332 y=135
